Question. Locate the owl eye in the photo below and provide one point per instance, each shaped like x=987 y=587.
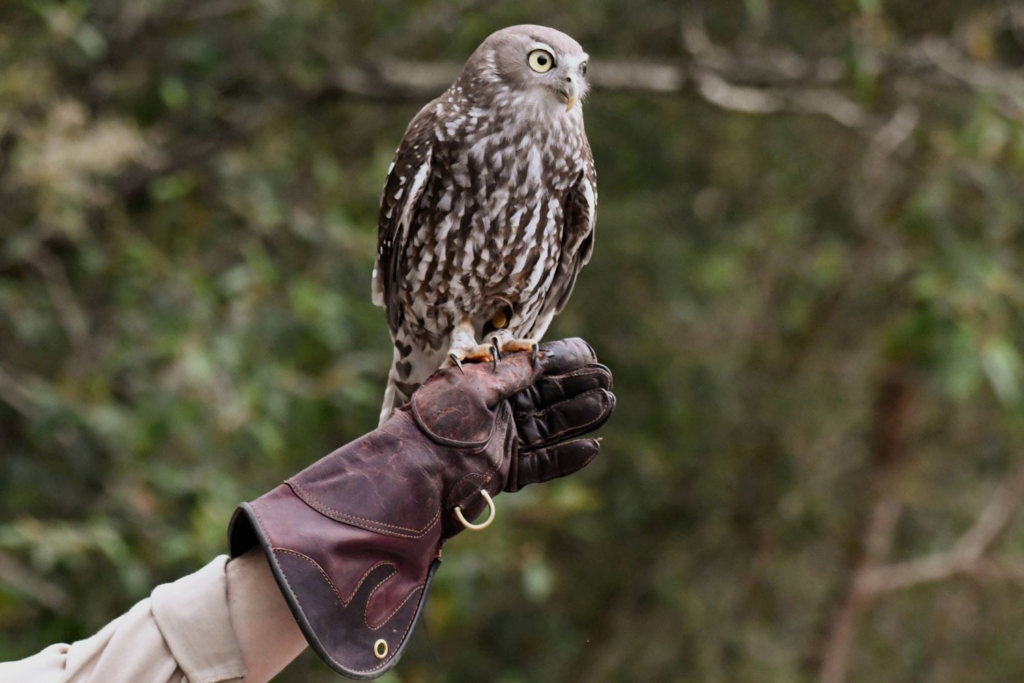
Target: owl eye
x=541 y=61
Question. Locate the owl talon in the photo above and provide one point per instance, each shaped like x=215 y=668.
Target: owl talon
x=496 y=347
x=530 y=346
x=495 y=357
x=459 y=355
x=456 y=362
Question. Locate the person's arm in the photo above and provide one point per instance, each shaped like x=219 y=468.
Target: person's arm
x=226 y=622
x=130 y=648
x=182 y=632
x=266 y=632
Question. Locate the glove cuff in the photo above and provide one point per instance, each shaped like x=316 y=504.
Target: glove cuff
x=356 y=595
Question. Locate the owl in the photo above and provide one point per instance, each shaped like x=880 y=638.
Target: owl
x=488 y=212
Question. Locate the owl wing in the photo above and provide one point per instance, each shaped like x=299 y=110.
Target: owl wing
x=577 y=236
x=406 y=181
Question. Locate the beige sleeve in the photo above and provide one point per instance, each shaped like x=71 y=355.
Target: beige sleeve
x=263 y=625
x=182 y=633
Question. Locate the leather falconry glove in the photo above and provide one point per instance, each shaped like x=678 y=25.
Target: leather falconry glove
x=354 y=539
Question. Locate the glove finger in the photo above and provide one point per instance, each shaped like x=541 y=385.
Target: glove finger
x=566 y=420
x=518 y=371
x=564 y=355
x=550 y=463
x=551 y=389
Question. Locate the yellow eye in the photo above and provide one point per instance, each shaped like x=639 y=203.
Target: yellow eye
x=541 y=61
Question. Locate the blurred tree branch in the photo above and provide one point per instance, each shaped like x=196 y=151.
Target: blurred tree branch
x=16 y=395
x=969 y=556
x=749 y=78
x=70 y=314
x=871 y=539
x=33 y=586
x=752 y=78
x=871 y=575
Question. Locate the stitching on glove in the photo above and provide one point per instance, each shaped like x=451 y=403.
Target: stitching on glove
x=449 y=503
x=315 y=503
x=486 y=474
x=263 y=526
x=366 y=617
x=322 y=648
x=327 y=578
x=366 y=574
x=444 y=441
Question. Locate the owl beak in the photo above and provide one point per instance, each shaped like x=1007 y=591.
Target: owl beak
x=570 y=92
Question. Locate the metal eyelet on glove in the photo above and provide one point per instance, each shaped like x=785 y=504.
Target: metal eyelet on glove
x=380 y=649
x=483 y=525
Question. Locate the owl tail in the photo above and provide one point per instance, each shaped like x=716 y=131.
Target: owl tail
x=408 y=370
x=392 y=397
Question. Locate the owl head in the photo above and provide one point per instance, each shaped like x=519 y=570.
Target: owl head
x=538 y=62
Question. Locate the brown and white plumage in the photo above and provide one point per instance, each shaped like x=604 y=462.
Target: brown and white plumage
x=489 y=207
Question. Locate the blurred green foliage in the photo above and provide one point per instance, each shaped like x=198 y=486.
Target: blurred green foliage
x=806 y=318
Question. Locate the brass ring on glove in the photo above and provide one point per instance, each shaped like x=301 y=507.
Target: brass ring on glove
x=483 y=525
